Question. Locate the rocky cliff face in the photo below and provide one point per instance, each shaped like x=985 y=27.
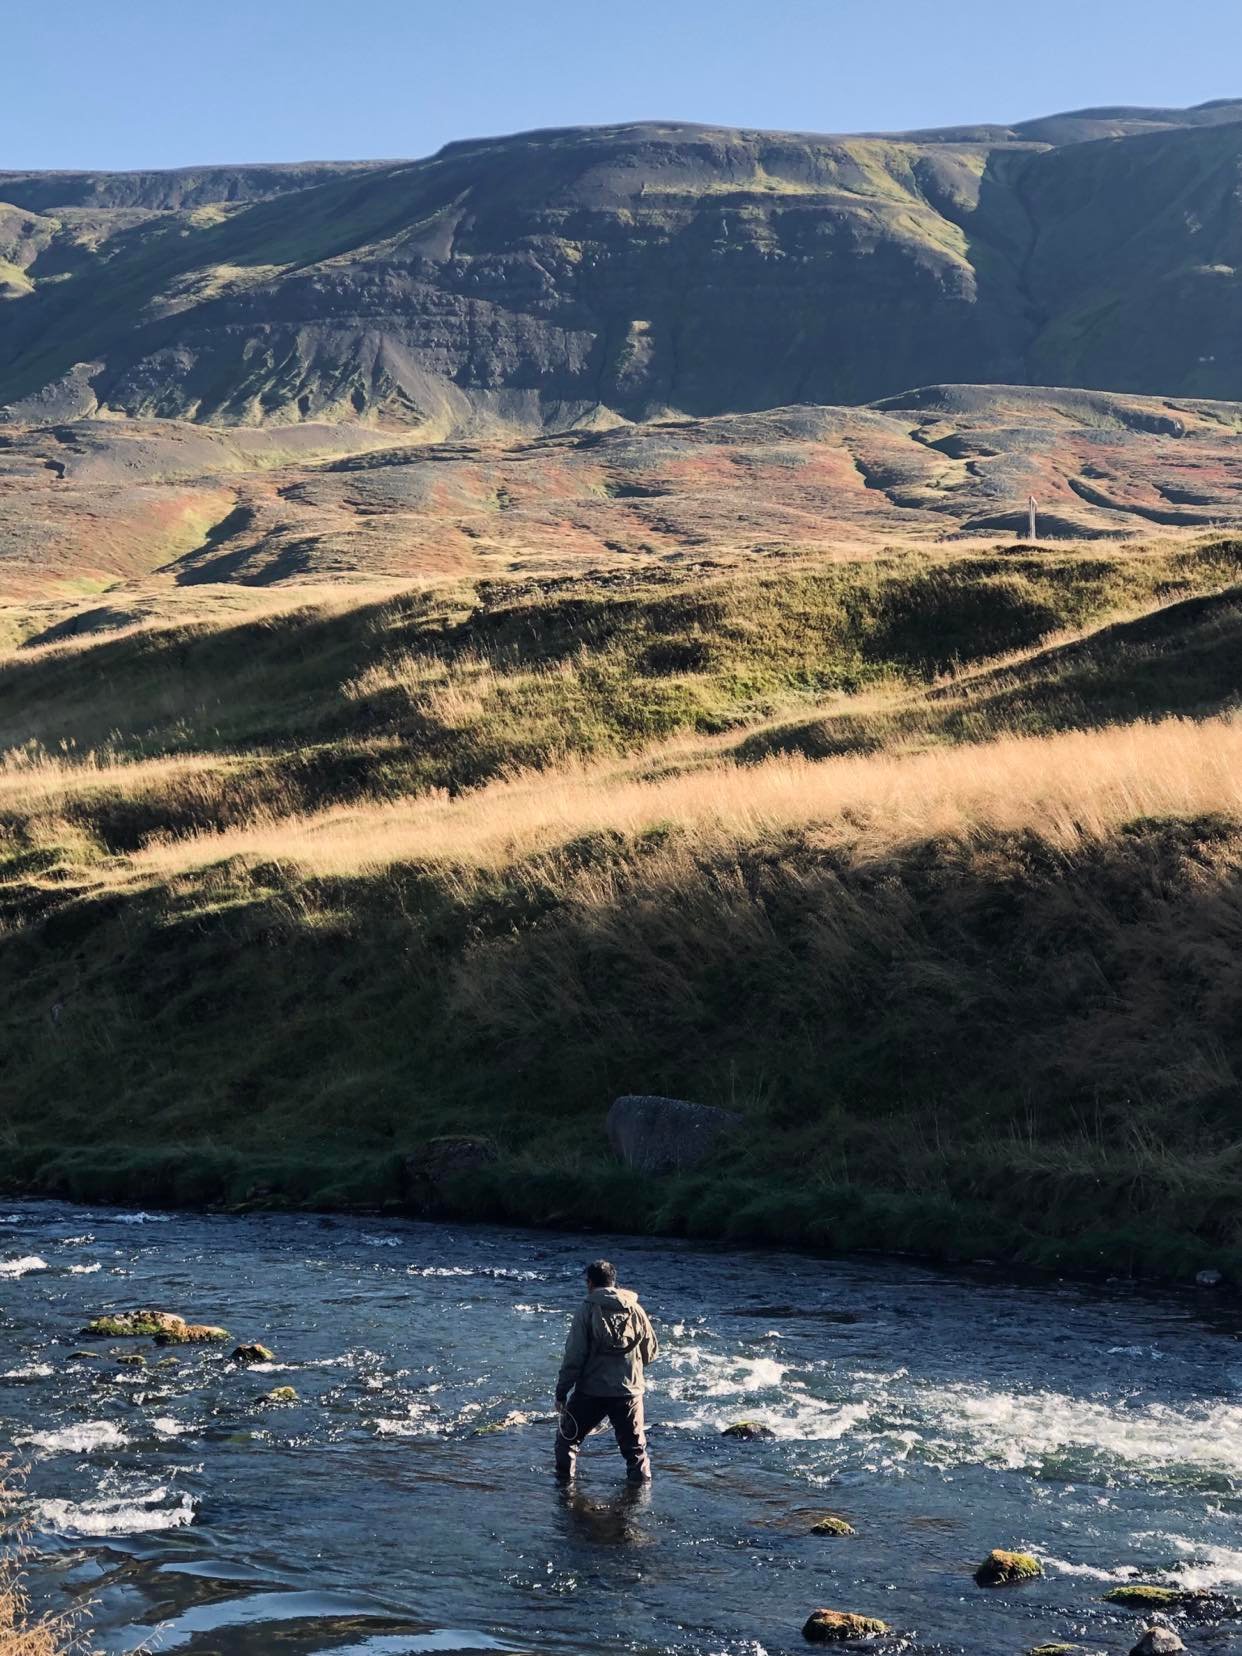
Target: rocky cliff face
x=569 y=277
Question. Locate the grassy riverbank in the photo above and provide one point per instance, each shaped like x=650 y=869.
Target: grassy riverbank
x=926 y=866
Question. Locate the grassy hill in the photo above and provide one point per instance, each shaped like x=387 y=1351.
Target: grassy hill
x=540 y=281
x=484 y=634
x=925 y=862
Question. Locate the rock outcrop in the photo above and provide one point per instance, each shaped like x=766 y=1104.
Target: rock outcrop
x=665 y=1135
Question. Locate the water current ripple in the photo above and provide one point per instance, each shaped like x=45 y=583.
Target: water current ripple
x=403 y=1501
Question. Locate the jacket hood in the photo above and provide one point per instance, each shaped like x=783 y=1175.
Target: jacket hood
x=606 y=1297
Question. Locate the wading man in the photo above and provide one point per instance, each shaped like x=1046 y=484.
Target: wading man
x=608 y=1349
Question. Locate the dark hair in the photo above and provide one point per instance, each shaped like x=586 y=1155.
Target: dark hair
x=601 y=1274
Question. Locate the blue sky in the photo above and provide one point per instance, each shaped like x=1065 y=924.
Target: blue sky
x=160 y=83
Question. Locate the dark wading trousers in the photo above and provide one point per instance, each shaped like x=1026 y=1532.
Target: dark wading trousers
x=584 y=1413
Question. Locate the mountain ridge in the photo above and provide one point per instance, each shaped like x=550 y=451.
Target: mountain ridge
x=543 y=280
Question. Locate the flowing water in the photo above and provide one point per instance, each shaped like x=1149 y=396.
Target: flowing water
x=377 y=1515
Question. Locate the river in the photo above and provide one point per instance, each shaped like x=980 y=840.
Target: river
x=941 y=1414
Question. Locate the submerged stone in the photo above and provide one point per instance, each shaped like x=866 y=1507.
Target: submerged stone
x=837 y=1626
x=133 y=1359
x=830 y=1524
x=515 y=1417
x=745 y=1431
x=1002 y=1569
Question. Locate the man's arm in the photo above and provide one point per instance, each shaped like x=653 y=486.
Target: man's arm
x=577 y=1348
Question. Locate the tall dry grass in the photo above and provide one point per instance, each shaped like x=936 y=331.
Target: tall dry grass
x=1065 y=788
x=23 y=1633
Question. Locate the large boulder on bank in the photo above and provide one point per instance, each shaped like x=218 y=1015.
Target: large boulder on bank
x=665 y=1135
x=428 y=1172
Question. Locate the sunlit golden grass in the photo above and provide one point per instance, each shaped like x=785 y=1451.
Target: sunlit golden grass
x=23 y=1633
x=1063 y=788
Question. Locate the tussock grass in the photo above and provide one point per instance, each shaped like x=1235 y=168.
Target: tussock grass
x=929 y=869
x=22 y=1632
x=1065 y=789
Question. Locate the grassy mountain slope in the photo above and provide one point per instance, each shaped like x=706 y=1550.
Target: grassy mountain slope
x=902 y=858
x=540 y=280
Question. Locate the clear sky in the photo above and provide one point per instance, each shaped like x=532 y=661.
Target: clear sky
x=161 y=83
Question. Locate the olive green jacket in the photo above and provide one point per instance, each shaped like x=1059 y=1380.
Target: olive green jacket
x=609 y=1345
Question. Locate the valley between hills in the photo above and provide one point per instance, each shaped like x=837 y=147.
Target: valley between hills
x=556 y=620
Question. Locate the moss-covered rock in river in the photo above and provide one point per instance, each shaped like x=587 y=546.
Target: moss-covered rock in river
x=1002 y=1569
x=1055 y=1650
x=1142 y=1595
x=252 y=1353
x=746 y=1431
x=830 y=1524
x=133 y=1359
x=837 y=1627
x=193 y=1334
x=134 y=1325
x=281 y=1394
